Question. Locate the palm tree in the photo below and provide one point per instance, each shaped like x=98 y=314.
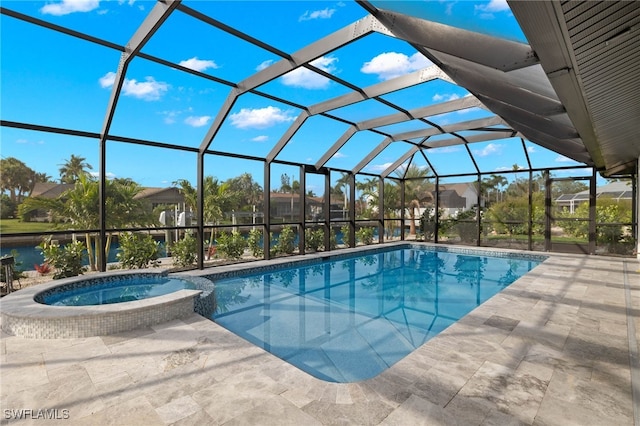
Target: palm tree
x=217 y=199
x=367 y=188
x=78 y=209
x=342 y=188
x=73 y=168
x=493 y=183
x=391 y=202
x=246 y=192
x=417 y=188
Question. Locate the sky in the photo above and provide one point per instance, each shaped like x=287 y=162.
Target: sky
x=52 y=79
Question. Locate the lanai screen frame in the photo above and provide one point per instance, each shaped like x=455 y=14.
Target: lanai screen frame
x=417 y=141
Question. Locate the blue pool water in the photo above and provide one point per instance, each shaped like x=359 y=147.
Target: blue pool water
x=116 y=290
x=349 y=320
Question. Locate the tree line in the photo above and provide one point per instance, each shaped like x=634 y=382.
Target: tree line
x=18 y=180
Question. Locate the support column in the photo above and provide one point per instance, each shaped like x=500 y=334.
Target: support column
x=102 y=207
x=352 y=210
x=380 y=210
x=592 y=212
x=200 y=210
x=436 y=232
x=547 y=211
x=530 y=212
x=402 y=209
x=327 y=210
x=478 y=211
x=266 y=233
x=636 y=221
x=303 y=210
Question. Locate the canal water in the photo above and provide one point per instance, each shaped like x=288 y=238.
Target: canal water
x=28 y=255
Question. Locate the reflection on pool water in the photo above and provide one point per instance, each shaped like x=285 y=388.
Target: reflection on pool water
x=349 y=320
x=118 y=289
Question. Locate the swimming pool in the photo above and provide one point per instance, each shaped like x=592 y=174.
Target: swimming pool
x=350 y=319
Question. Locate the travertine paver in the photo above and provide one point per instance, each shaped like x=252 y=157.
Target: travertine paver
x=552 y=349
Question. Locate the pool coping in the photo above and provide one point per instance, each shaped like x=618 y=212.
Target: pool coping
x=22 y=316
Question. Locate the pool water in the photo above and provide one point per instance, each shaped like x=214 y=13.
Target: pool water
x=349 y=320
x=122 y=289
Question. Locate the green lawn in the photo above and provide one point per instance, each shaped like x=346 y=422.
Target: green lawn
x=9 y=226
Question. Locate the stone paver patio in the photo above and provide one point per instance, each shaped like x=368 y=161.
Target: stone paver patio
x=551 y=349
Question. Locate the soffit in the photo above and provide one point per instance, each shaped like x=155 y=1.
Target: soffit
x=591 y=53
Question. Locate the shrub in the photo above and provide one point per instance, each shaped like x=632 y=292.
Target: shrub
x=333 y=239
x=232 y=245
x=345 y=229
x=511 y=216
x=184 y=250
x=611 y=220
x=138 y=251
x=255 y=242
x=285 y=241
x=365 y=235
x=428 y=224
x=67 y=259
x=9 y=207
x=313 y=239
x=466 y=226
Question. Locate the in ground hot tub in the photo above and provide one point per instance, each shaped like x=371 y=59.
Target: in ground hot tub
x=113 y=289
x=126 y=300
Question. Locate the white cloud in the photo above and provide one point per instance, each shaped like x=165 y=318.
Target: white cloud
x=170 y=116
x=197 y=121
x=486 y=11
x=531 y=149
x=445 y=97
x=490 y=149
x=149 y=90
x=261 y=138
x=379 y=167
x=264 y=65
x=563 y=159
x=107 y=80
x=198 y=64
x=260 y=118
x=493 y=6
x=389 y=65
x=338 y=155
x=325 y=13
x=307 y=79
x=66 y=7
x=449 y=8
